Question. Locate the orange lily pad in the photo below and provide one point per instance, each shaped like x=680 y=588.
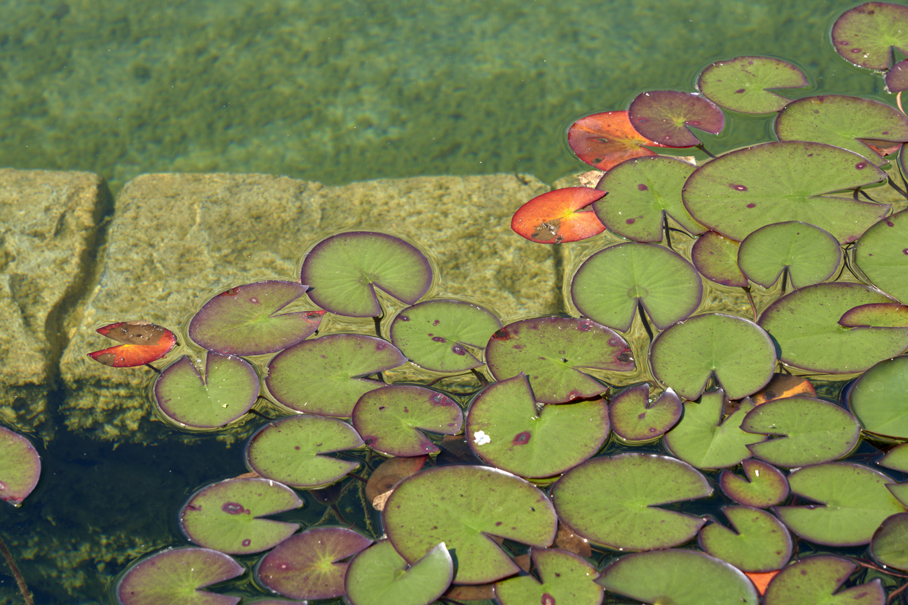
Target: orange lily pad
x=143 y=342
x=782 y=386
x=606 y=139
x=558 y=216
x=761 y=579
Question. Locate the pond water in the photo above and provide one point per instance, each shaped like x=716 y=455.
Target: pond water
x=334 y=92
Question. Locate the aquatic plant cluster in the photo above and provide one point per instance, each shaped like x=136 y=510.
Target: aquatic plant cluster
x=562 y=477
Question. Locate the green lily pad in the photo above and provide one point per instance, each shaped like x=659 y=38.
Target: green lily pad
x=227 y=391
x=716 y=258
x=553 y=351
x=852 y=502
x=704 y=439
x=380 y=576
x=765 y=485
x=896 y=458
x=809 y=254
x=631 y=485
x=244 y=320
x=323 y=376
x=435 y=334
x=389 y=419
x=745 y=84
x=641 y=192
x=866 y=34
x=737 y=352
x=506 y=431
x=678 y=577
x=889 y=545
x=311 y=565
x=634 y=418
x=176 y=576
x=20 y=467
x=805 y=323
x=878 y=398
x=759 y=543
x=610 y=284
x=225 y=515
x=666 y=116
x=565 y=578
x=803 y=431
x=816 y=579
x=463 y=506
x=842 y=121
x=743 y=190
x=882 y=255
x=288 y=450
x=344 y=270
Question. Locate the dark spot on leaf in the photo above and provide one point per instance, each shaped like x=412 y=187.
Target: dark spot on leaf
x=381 y=407
x=737 y=187
x=403 y=318
x=904 y=250
x=296 y=447
x=435 y=323
x=521 y=438
x=630 y=221
x=740 y=90
x=438 y=338
x=855 y=50
x=458 y=350
x=751 y=205
x=501 y=334
x=547 y=599
x=254 y=300
x=233 y=508
x=247 y=542
x=642 y=187
x=861 y=165
x=584 y=326
x=231 y=292
x=380 y=346
x=890 y=224
x=497 y=523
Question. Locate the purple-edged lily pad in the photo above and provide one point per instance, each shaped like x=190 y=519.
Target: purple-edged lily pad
x=666 y=116
x=553 y=351
x=878 y=315
x=505 y=429
x=889 y=545
x=745 y=84
x=344 y=270
x=759 y=543
x=20 y=467
x=563 y=578
x=628 y=518
x=765 y=485
x=817 y=580
x=897 y=77
x=882 y=255
x=323 y=376
x=635 y=418
x=390 y=419
x=866 y=34
x=809 y=254
x=463 y=506
x=176 y=576
x=225 y=515
x=716 y=258
x=311 y=565
x=380 y=576
x=227 y=391
x=245 y=320
x=288 y=450
x=878 y=398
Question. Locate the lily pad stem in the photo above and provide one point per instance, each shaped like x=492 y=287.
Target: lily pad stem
x=20 y=581
x=649 y=330
x=377 y=321
x=703 y=149
x=897 y=188
x=750 y=299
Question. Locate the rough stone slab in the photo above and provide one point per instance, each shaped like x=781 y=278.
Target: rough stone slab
x=48 y=230
x=178 y=239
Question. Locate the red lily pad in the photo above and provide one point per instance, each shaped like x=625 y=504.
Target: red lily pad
x=143 y=342
x=716 y=258
x=666 y=116
x=866 y=34
x=557 y=216
x=606 y=139
x=897 y=77
x=177 y=576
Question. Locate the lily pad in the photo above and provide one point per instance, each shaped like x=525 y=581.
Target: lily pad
x=666 y=117
x=609 y=286
x=311 y=565
x=344 y=270
x=878 y=398
x=842 y=121
x=716 y=258
x=866 y=34
x=882 y=255
x=559 y=216
x=896 y=458
x=435 y=334
x=679 y=577
x=880 y=315
x=641 y=192
x=889 y=545
x=631 y=485
x=635 y=418
x=805 y=324
x=745 y=84
x=244 y=320
x=225 y=515
x=704 y=439
x=809 y=254
x=765 y=485
x=463 y=506
x=759 y=543
x=553 y=352
x=506 y=431
x=20 y=467
x=606 y=139
x=288 y=450
x=737 y=352
x=802 y=431
x=323 y=376
x=897 y=77
x=817 y=579
x=390 y=419
x=784 y=385
x=227 y=391
x=380 y=576
x=388 y=474
x=565 y=578
x=743 y=190
x=852 y=502
x=143 y=342
x=176 y=576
